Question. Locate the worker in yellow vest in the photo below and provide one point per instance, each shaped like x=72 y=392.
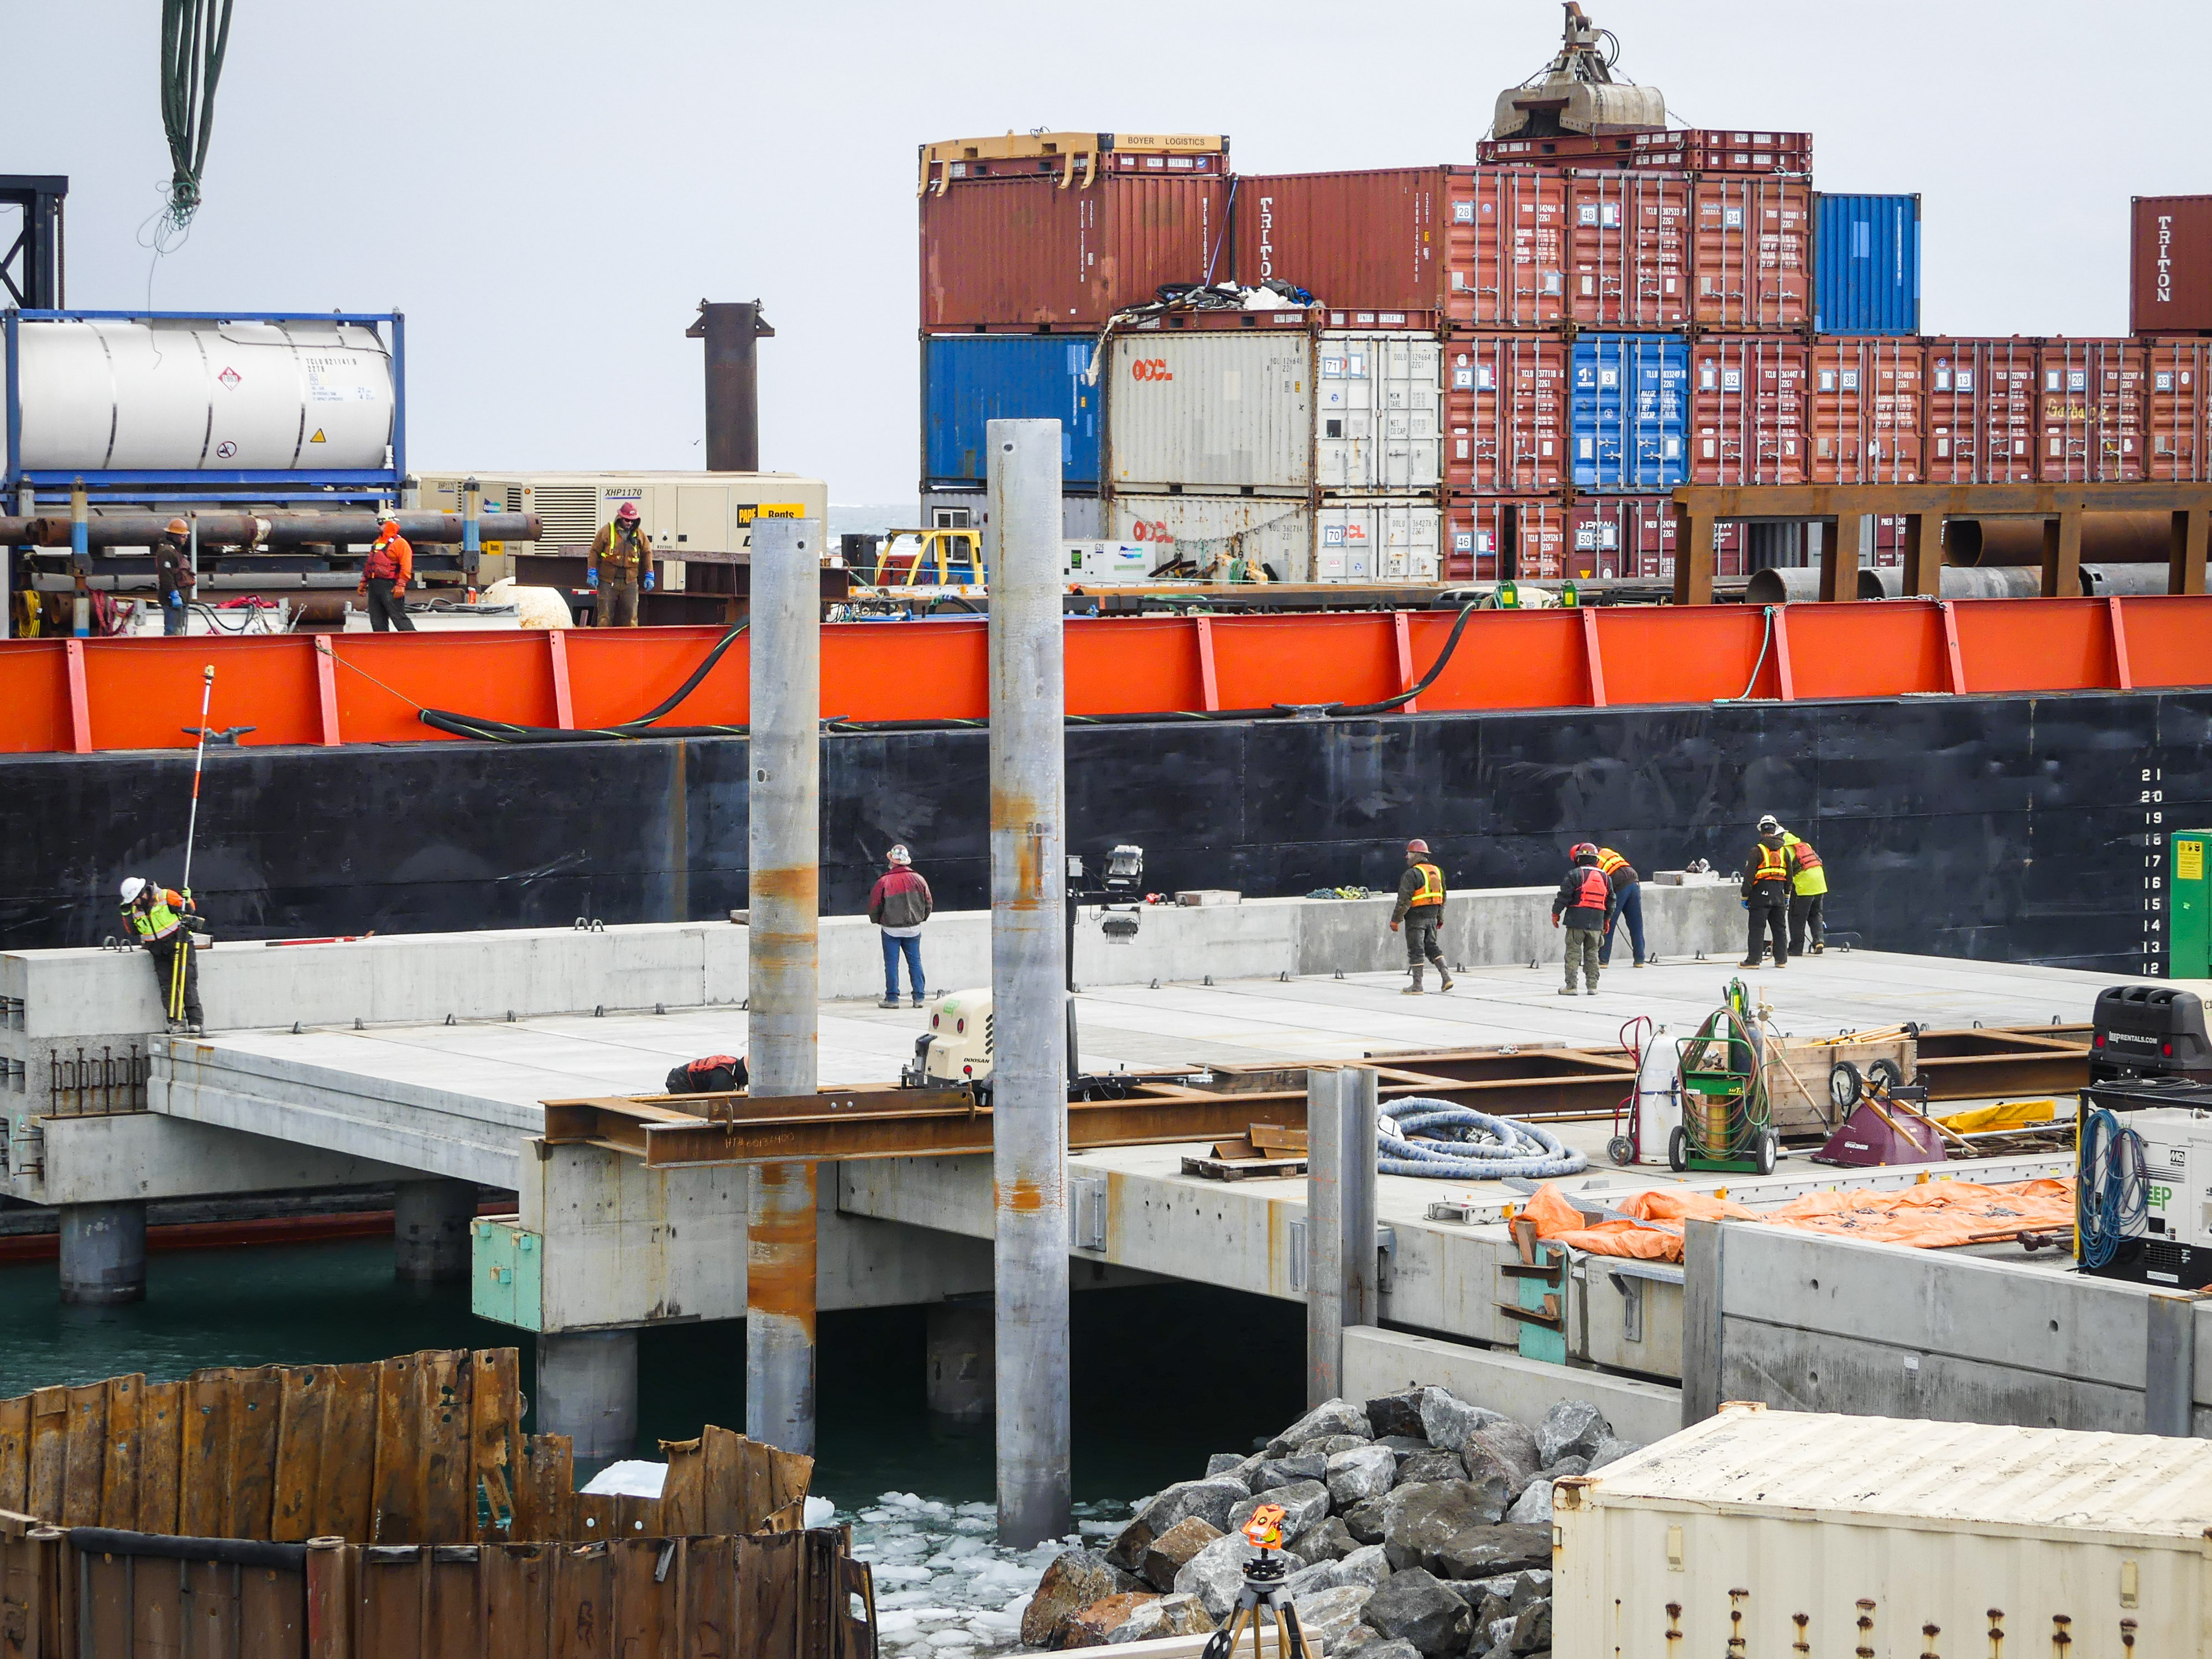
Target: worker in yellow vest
x=1766 y=895
x=1420 y=907
x=1809 y=895
x=155 y=918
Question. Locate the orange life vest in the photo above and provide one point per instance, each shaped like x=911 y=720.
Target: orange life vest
x=1608 y=861
x=1596 y=891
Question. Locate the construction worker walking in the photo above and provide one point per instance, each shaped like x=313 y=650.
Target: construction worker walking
x=1586 y=902
x=156 y=917
x=1809 y=895
x=1766 y=895
x=174 y=577
x=898 y=904
x=622 y=560
x=1420 y=907
x=385 y=575
x=1627 y=906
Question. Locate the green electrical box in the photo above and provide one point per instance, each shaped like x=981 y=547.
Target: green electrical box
x=2189 y=906
x=506 y=1273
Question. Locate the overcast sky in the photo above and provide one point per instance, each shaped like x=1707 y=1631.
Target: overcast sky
x=547 y=190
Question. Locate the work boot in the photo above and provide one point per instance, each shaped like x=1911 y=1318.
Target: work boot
x=1751 y=962
x=888 y=1002
x=1820 y=950
x=917 y=999
x=176 y=1027
x=1414 y=989
x=1589 y=990
x=1444 y=977
x=1566 y=990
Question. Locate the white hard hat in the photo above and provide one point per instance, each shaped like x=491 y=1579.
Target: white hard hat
x=898 y=855
x=132 y=886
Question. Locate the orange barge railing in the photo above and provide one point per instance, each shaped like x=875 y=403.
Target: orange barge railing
x=66 y=696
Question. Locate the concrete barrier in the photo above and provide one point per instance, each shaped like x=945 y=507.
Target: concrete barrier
x=1379 y=1362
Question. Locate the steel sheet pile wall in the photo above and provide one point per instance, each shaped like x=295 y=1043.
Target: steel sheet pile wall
x=426 y=1448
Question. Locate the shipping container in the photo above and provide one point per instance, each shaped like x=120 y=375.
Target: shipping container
x=1866 y=265
x=1629 y=406
x=1749 y=261
x=2170 y=265
x=1628 y=249
x=1475 y=533
x=1484 y=247
x=1747 y=410
x=1343 y=540
x=1759 y=1533
x=969 y=380
x=1701 y=149
x=1865 y=408
x=1082 y=518
x=2091 y=419
x=1505 y=413
x=1632 y=537
x=2174 y=416
x=1274 y=413
x=1982 y=408
x=1028 y=251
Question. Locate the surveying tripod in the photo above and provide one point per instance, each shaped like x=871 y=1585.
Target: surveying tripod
x=1265 y=1587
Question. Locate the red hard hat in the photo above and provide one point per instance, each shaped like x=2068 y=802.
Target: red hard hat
x=1417 y=847
x=626 y=511
x=1581 y=849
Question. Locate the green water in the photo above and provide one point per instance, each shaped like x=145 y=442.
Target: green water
x=1163 y=1374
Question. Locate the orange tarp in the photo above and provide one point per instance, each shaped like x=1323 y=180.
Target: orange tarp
x=1927 y=1216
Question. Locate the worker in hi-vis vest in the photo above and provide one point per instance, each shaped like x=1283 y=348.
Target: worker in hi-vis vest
x=1766 y=895
x=156 y=917
x=622 y=563
x=1420 y=908
x=1809 y=895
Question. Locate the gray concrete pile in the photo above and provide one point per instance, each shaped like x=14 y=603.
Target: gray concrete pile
x=1419 y=1527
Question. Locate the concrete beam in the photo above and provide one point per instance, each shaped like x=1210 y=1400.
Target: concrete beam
x=1378 y=1361
x=142 y=1155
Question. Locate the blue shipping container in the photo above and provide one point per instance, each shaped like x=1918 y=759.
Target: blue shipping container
x=1866 y=265
x=970 y=379
x=1629 y=411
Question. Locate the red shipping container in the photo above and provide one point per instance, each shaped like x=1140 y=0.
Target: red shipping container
x=1865 y=408
x=2170 y=265
x=1750 y=257
x=1484 y=247
x=2092 y=416
x=1982 y=410
x=1632 y=536
x=1506 y=414
x=1628 y=249
x=2174 y=411
x=1024 y=250
x=1747 y=412
x=1472 y=524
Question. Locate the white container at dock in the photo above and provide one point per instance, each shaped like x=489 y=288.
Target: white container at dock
x=1796 y=1533
x=1345 y=539
x=1276 y=413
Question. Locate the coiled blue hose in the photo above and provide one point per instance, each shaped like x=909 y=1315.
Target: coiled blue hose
x=1508 y=1146
x=2111 y=1198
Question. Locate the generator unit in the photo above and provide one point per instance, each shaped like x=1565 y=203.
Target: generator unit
x=2149 y=1031
x=2145 y=1194
x=956 y=1047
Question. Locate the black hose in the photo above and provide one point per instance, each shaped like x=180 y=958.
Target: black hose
x=1451 y=644
x=487 y=730
x=953 y=598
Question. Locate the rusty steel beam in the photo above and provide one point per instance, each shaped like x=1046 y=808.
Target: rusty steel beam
x=2050 y=500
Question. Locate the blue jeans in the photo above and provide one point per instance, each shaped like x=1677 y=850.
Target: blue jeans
x=173 y=613
x=912 y=949
x=1631 y=912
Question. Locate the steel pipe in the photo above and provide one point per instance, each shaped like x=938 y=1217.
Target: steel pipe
x=1029 y=983
x=2106 y=538
x=783 y=967
x=252 y=530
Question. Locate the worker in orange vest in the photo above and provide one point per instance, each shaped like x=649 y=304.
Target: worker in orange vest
x=1420 y=907
x=385 y=575
x=1627 y=906
x=1766 y=895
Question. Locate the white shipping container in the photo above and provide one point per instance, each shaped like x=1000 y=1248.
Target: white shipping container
x=1275 y=413
x=1345 y=541
x=1801 y=1534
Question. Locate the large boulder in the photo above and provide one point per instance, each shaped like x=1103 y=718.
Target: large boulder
x=1088 y=1627
x=1367 y=1565
x=1486 y=1469
x=1216 y=1573
x=1302 y=1502
x=1327 y=1616
x=1396 y=1413
x=1228 y=1465
x=1272 y=1472
x=1311 y=1580
x=1484 y=1552
x=1076 y=1578
x=1611 y=1449
x=1209 y=1500
x=1448 y=1421
x=1365 y=1520
x=1422 y=1524
x=1512 y=1445
x=1532 y=1508
x=1167 y=1615
x=1325 y=1541
x=1431 y=1466
x=1403 y=1446
x=1329 y=1444
x=1383 y=1646
x=1572 y=1428
x=1359 y=1473
x=1166 y=1555
x=1412 y=1607
x=1532 y=1631
x=1331 y=1417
